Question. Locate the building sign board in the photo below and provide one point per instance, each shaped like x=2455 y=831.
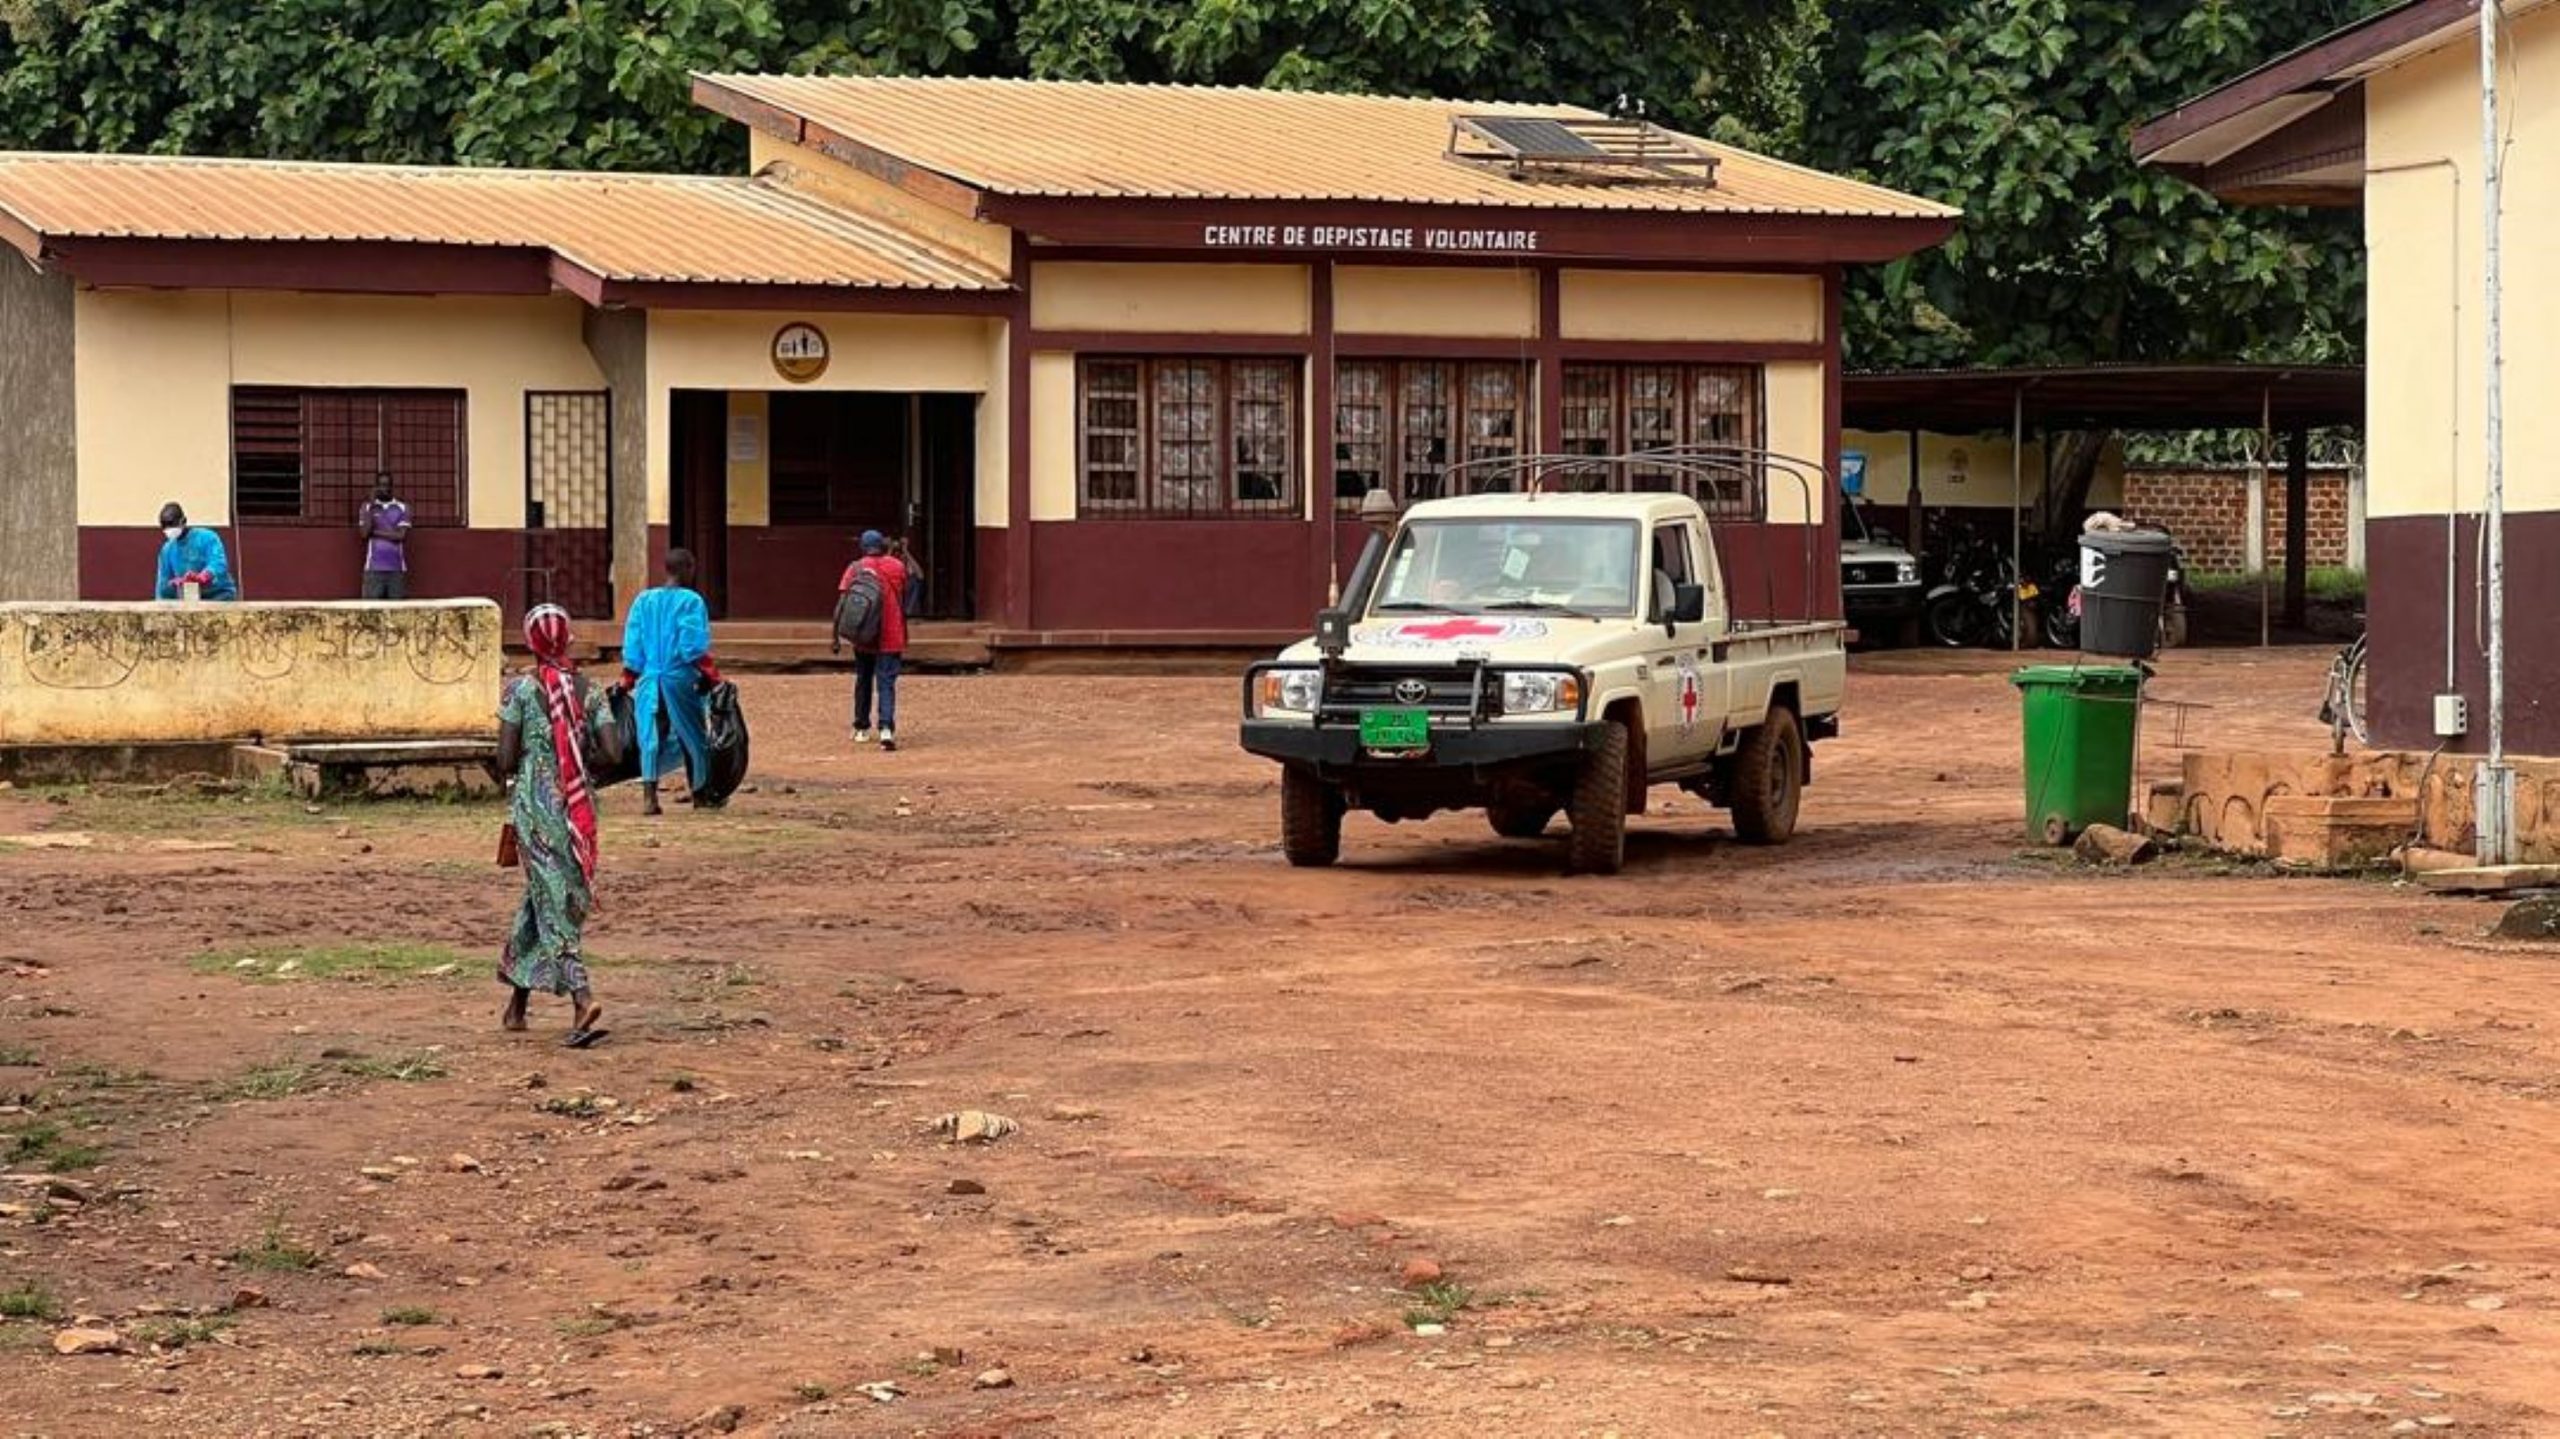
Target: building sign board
x=800 y=352
x=1408 y=238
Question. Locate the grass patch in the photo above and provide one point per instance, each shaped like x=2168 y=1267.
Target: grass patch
x=411 y=1317
x=811 y=1393
x=284 y=1081
x=276 y=1253
x=269 y=1081
x=179 y=1333
x=17 y=1056
x=594 y=1324
x=383 y=962
x=2325 y=584
x=29 y=1300
x=99 y=1078
x=48 y=1147
x=573 y=1106
x=384 y=1349
x=400 y=1069
x=1439 y=1303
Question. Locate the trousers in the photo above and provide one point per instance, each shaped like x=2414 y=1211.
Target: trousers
x=878 y=671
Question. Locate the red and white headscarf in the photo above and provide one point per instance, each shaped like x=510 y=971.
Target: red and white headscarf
x=546 y=632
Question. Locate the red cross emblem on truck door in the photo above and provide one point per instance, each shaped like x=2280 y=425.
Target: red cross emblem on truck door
x=1688 y=699
x=1458 y=628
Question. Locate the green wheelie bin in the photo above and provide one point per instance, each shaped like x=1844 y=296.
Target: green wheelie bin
x=2079 y=726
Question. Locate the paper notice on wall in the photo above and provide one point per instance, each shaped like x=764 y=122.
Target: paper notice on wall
x=746 y=439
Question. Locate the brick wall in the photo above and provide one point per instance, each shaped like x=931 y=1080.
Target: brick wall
x=2208 y=510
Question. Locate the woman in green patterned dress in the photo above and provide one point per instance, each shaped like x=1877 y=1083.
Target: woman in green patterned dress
x=544 y=728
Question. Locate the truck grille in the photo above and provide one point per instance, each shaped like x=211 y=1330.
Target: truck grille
x=1449 y=690
x=1868 y=574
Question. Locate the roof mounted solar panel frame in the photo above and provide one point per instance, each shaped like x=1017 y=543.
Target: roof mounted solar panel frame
x=1581 y=149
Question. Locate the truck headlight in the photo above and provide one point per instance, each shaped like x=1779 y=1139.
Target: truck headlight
x=1906 y=572
x=1293 y=692
x=1540 y=693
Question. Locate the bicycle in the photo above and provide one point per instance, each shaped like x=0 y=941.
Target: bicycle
x=2342 y=707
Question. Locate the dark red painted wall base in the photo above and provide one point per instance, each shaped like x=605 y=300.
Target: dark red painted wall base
x=2405 y=560
x=991 y=573
x=120 y=563
x=1260 y=574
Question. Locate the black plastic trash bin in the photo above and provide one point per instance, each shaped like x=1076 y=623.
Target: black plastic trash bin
x=2124 y=578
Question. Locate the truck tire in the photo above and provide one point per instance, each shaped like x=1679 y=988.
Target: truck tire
x=1310 y=820
x=1599 y=810
x=1768 y=779
x=1520 y=821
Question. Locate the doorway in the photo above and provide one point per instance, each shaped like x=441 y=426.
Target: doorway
x=698 y=502
x=773 y=491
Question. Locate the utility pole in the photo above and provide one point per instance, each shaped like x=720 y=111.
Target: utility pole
x=2494 y=787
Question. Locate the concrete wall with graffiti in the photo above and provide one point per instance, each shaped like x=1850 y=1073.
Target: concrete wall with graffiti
x=79 y=674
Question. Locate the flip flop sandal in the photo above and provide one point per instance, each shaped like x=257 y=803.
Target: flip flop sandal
x=585 y=1038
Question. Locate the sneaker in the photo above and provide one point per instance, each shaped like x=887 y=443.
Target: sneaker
x=862 y=736
x=888 y=740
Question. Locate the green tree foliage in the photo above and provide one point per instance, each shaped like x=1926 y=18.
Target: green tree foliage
x=2019 y=112
x=603 y=83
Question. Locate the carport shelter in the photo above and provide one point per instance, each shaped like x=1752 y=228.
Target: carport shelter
x=2290 y=400
x=1119 y=360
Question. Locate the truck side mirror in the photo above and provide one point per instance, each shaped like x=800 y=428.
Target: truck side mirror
x=1333 y=632
x=1688 y=604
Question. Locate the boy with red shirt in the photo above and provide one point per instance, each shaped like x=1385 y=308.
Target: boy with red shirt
x=878 y=664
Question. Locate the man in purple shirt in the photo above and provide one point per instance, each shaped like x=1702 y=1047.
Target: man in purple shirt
x=384 y=523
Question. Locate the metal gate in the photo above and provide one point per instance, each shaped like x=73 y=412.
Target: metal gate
x=568 y=501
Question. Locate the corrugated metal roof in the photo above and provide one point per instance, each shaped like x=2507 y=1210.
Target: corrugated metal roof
x=1104 y=141
x=624 y=228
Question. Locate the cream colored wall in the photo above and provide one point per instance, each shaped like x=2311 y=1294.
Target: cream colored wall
x=1414 y=300
x=1968 y=470
x=733 y=351
x=1669 y=305
x=993 y=509
x=750 y=487
x=840 y=184
x=1794 y=390
x=1151 y=298
x=2425 y=396
x=154 y=372
x=90 y=674
x=1053 y=436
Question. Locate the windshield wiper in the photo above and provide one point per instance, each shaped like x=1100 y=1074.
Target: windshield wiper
x=1420 y=607
x=1542 y=607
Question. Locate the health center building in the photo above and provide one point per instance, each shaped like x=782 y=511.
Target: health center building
x=1119 y=361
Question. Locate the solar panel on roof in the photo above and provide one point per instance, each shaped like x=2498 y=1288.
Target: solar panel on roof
x=1535 y=136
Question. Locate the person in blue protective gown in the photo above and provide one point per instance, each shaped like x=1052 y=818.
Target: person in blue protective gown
x=191 y=555
x=667 y=666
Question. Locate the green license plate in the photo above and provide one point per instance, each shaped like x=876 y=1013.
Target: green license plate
x=1395 y=729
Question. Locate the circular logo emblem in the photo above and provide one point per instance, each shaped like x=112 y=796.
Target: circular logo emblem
x=800 y=352
x=1413 y=692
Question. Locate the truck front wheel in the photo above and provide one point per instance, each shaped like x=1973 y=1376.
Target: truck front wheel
x=1599 y=811
x=1768 y=780
x=1310 y=820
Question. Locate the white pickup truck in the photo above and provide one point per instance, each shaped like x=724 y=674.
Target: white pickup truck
x=1526 y=654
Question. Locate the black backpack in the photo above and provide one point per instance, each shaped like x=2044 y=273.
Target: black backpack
x=859 y=610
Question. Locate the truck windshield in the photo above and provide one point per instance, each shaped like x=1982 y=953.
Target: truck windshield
x=1853 y=519
x=1481 y=566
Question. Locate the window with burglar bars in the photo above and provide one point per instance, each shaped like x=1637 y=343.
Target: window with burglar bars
x=568 y=501
x=309 y=456
x=1187 y=438
x=1631 y=408
x=1399 y=425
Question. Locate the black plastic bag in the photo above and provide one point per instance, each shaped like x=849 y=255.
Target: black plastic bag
x=613 y=756
x=725 y=768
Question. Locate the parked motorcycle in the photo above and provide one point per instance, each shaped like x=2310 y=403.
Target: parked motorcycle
x=1972 y=605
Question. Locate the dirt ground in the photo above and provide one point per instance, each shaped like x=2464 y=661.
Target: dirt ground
x=1902 y=1129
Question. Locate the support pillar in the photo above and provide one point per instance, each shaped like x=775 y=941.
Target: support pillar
x=619 y=342
x=2297 y=533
